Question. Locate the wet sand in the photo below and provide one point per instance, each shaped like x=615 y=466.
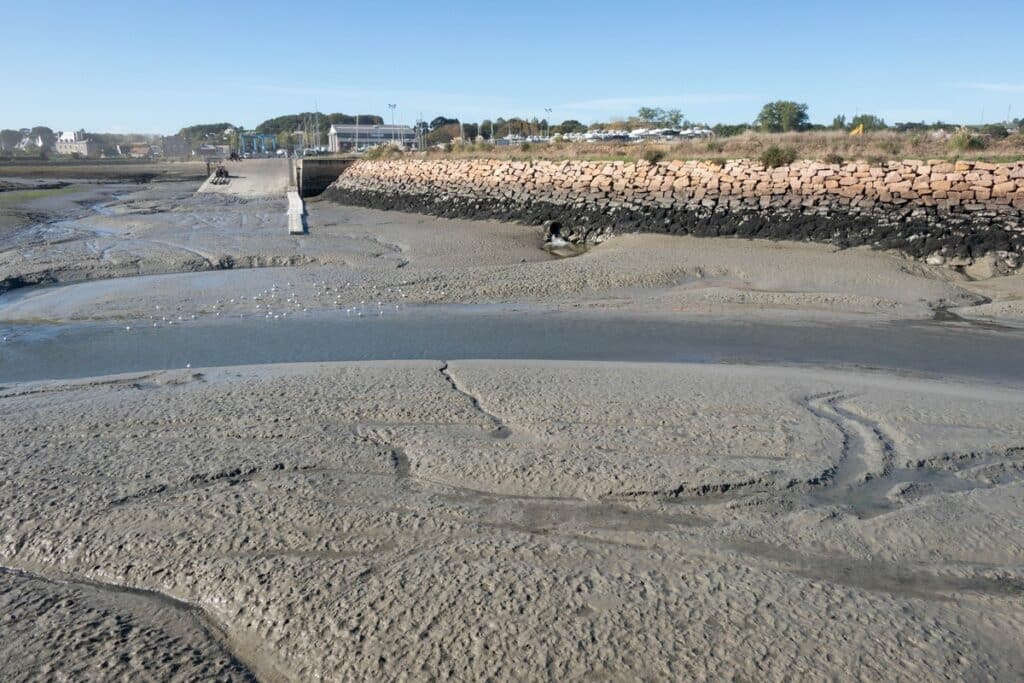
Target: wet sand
x=834 y=492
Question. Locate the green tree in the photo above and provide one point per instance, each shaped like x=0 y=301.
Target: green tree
x=47 y=135
x=662 y=118
x=869 y=121
x=442 y=134
x=570 y=126
x=9 y=138
x=441 y=121
x=205 y=131
x=782 y=116
x=839 y=122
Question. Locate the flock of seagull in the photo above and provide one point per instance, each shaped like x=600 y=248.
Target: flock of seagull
x=277 y=303
x=280 y=303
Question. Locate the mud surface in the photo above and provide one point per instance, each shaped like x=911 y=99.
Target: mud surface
x=522 y=520
x=834 y=492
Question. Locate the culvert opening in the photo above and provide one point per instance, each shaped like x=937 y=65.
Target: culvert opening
x=555 y=242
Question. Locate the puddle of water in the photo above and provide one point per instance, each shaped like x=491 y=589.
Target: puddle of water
x=563 y=249
x=902 y=485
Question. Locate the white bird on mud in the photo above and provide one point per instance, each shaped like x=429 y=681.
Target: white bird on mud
x=127 y=328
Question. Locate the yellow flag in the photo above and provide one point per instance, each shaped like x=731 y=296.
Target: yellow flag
x=859 y=130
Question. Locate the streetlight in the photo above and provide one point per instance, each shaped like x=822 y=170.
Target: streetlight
x=547 y=111
x=392 y=108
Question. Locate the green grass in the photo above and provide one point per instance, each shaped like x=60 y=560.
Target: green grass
x=22 y=196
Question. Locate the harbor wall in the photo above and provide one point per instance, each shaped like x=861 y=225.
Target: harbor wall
x=944 y=211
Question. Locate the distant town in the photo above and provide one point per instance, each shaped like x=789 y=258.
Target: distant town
x=315 y=133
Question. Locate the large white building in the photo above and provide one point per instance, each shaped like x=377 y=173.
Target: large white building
x=74 y=142
x=345 y=136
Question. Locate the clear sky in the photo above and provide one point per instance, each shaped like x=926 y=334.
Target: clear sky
x=153 y=66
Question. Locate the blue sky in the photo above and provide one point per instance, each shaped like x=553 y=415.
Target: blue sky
x=155 y=66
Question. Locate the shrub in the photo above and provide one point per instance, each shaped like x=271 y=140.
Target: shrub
x=653 y=155
x=776 y=156
x=383 y=152
x=996 y=131
x=964 y=140
x=715 y=146
x=525 y=146
x=833 y=158
x=728 y=130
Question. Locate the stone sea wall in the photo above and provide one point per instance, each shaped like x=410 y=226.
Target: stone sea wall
x=945 y=212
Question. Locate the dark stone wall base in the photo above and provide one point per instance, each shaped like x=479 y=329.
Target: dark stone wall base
x=915 y=235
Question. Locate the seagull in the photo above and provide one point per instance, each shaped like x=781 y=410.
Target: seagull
x=127 y=328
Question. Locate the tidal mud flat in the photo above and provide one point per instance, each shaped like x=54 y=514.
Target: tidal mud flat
x=471 y=505
x=530 y=520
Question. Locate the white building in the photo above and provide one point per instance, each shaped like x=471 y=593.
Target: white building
x=345 y=136
x=74 y=142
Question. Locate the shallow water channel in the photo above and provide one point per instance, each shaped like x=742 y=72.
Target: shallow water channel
x=34 y=352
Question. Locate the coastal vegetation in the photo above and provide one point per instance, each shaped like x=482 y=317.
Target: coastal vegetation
x=823 y=145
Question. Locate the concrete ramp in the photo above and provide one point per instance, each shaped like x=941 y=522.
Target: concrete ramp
x=253 y=178
x=263 y=178
x=296 y=212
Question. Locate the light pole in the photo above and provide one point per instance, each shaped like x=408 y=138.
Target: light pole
x=356 y=148
x=392 y=108
x=547 y=119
